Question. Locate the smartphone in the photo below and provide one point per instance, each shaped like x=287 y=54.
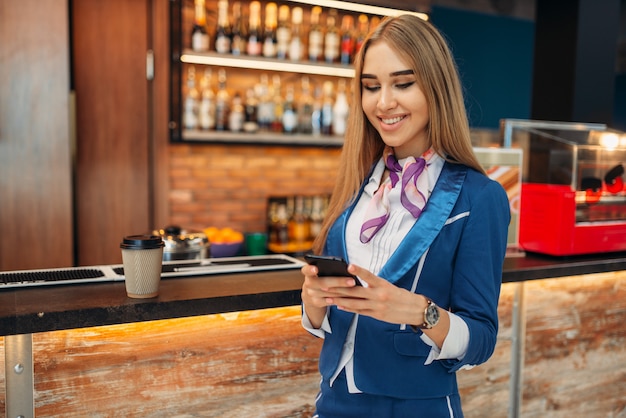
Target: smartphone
x=330 y=266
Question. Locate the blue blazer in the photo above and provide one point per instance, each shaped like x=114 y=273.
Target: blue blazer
x=463 y=234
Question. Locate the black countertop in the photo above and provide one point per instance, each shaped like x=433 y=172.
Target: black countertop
x=49 y=308
x=538 y=266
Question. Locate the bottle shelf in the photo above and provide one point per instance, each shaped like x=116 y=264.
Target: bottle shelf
x=260 y=138
x=247 y=66
x=269 y=64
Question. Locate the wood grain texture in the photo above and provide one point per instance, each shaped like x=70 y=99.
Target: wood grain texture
x=3 y=406
x=263 y=364
x=575 y=360
x=35 y=154
x=159 y=107
x=257 y=363
x=110 y=41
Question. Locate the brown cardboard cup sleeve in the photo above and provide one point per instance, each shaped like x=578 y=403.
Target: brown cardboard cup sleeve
x=142 y=257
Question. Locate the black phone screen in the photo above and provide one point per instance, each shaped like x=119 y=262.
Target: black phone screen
x=330 y=266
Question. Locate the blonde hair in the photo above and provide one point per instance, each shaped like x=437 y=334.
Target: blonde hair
x=427 y=52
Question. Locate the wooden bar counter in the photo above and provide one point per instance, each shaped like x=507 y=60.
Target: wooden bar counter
x=231 y=345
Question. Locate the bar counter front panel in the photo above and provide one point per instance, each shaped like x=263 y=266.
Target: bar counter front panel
x=232 y=346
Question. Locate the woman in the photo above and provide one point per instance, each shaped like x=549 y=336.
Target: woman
x=424 y=230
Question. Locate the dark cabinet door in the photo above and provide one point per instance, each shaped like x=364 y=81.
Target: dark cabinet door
x=113 y=159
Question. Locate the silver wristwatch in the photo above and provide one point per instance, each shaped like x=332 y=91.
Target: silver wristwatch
x=431 y=315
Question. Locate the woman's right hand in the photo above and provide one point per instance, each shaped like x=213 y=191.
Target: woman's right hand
x=317 y=292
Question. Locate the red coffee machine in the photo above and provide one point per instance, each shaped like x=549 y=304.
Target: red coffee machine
x=573 y=197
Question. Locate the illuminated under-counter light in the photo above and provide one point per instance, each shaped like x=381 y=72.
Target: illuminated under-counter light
x=265 y=64
x=362 y=8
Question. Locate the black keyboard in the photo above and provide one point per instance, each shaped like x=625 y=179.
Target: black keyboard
x=170 y=269
x=49 y=275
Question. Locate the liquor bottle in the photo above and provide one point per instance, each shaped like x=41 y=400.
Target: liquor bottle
x=240 y=37
x=206 y=111
x=222 y=32
x=316 y=116
x=327 y=109
x=290 y=116
x=305 y=111
x=296 y=47
x=361 y=33
x=279 y=224
x=316 y=36
x=199 y=34
x=222 y=100
x=347 y=40
x=265 y=109
x=236 y=116
x=282 y=224
x=299 y=226
x=190 y=108
x=374 y=22
x=269 y=35
x=316 y=217
x=340 y=109
x=308 y=208
x=283 y=33
x=255 y=44
x=250 y=124
x=332 y=38
x=278 y=109
x=272 y=209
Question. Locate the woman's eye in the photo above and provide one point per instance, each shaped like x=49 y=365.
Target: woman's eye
x=371 y=88
x=405 y=85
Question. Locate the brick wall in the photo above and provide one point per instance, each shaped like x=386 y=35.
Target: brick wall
x=228 y=185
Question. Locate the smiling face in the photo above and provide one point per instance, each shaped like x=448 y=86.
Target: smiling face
x=393 y=101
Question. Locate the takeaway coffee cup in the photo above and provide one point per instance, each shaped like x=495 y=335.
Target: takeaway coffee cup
x=142 y=256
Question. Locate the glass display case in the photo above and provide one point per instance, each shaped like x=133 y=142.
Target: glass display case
x=504 y=165
x=573 y=192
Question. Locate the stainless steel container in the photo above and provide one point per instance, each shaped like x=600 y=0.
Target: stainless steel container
x=181 y=244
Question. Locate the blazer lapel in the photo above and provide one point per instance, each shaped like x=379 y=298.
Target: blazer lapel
x=427 y=227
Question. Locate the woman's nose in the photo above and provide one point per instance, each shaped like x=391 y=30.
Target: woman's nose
x=386 y=100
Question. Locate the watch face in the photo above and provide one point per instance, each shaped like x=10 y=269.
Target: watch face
x=432 y=315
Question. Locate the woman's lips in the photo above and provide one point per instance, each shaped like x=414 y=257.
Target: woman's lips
x=391 y=121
